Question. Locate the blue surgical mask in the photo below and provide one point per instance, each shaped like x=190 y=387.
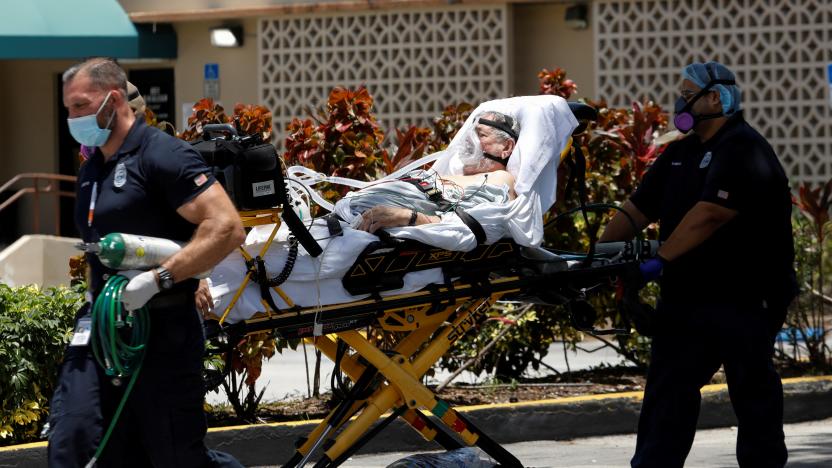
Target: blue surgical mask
x=85 y=129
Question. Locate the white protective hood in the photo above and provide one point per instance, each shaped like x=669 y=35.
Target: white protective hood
x=546 y=123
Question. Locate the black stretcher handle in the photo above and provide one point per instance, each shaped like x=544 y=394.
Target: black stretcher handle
x=641 y=248
x=211 y=129
x=291 y=219
x=584 y=113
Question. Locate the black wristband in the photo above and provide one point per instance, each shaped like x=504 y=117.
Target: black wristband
x=163 y=278
x=413 y=216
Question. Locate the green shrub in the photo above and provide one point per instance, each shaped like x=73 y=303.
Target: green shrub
x=807 y=326
x=35 y=326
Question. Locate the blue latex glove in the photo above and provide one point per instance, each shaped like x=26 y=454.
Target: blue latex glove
x=652 y=269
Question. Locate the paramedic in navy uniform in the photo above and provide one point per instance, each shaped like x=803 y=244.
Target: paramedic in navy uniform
x=726 y=273
x=141 y=181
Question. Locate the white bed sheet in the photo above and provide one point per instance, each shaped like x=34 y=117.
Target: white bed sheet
x=313 y=282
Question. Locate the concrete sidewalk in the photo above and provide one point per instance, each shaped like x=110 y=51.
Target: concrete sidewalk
x=806 y=399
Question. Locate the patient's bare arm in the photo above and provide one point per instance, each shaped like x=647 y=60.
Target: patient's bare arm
x=202 y=297
x=381 y=217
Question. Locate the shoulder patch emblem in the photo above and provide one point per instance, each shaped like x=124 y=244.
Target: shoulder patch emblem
x=705 y=160
x=200 y=180
x=120 y=177
x=722 y=194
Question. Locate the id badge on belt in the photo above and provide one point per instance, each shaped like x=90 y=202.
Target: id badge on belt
x=83 y=330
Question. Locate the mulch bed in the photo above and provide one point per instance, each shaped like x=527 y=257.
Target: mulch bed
x=588 y=382
x=595 y=381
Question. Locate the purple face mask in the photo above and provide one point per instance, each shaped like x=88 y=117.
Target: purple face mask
x=684 y=119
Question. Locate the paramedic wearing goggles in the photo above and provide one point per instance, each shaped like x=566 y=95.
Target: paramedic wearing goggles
x=140 y=180
x=484 y=159
x=726 y=273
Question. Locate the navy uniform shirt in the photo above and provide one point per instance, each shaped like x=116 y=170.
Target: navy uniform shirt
x=138 y=191
x=750 y=258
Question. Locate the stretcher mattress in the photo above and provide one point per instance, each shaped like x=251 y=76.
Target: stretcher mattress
x=314 y=281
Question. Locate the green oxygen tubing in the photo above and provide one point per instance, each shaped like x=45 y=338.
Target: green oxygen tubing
x=118 y=340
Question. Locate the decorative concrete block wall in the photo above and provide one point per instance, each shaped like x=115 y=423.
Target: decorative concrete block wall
x=779 y=49
x=414 y=62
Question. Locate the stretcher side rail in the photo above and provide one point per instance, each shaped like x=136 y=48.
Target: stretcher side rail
x=523 y=279
x=381 y=266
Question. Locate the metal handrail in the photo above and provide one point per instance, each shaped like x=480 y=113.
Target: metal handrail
x=37 y=189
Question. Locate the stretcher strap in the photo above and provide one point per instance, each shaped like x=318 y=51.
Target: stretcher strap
x=437 y=304
x=434 y=194
x=300 y=231
x=472 y=224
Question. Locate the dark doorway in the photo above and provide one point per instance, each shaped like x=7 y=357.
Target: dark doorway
x=157 y=87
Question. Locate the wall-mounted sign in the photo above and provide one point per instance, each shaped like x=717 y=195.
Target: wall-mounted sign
x=156 y=85
x=211 y=81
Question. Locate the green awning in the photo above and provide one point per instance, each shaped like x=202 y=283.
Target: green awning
x=73 y=29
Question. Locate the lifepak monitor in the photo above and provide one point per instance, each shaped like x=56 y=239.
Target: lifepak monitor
x=249 y=171
x=245 y=166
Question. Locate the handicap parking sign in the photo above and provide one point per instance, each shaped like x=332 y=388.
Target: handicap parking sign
x=212 y=71
x=211 y=81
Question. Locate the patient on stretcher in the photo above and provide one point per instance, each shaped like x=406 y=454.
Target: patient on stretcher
x=495 y=180
x=420 y=196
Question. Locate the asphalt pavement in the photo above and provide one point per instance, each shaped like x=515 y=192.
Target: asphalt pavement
x=582 y=421
x=809 y=443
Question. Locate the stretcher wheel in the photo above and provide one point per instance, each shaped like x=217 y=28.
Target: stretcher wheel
x=583 y=315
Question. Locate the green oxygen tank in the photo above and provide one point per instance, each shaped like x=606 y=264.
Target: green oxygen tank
x=121 y=251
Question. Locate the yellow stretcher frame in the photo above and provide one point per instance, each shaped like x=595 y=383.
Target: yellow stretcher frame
x=391 y=380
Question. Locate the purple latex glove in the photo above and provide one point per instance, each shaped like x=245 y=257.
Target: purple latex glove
x=652 y=269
